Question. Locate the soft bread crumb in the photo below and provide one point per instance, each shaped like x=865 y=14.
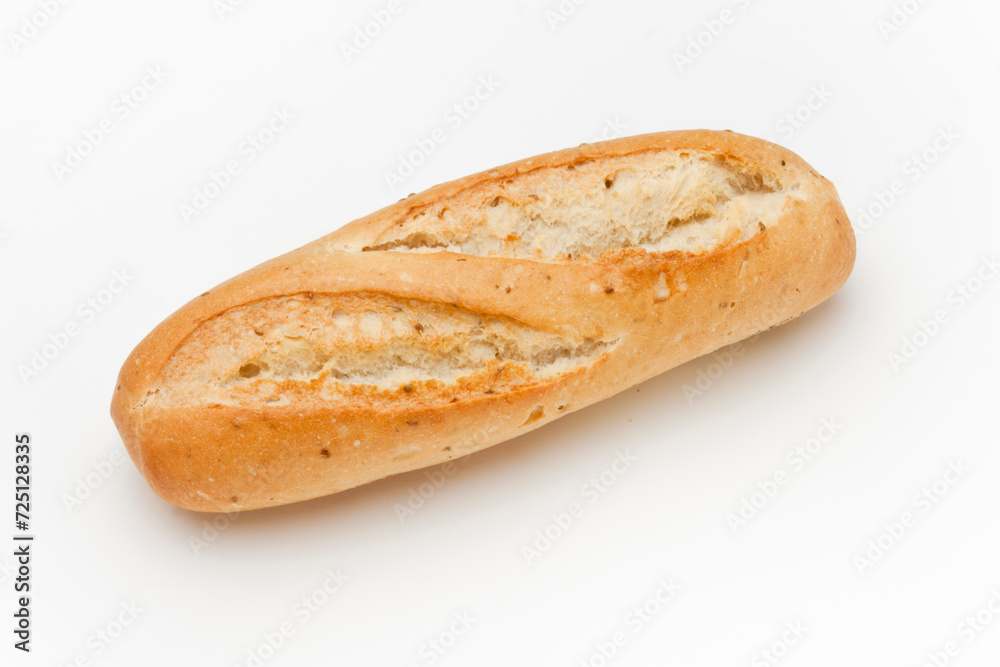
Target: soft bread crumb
x=342 y=341
x=658 y=201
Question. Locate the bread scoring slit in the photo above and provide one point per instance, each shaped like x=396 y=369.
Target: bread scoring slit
x=659 y=201
x=332 y=345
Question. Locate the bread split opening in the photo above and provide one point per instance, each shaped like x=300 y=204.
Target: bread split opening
x=345 y=343
x=659 y=201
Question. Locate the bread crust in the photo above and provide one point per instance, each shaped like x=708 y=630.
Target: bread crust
x=224 y=457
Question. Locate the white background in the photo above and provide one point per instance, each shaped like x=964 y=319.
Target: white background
x=886 y=98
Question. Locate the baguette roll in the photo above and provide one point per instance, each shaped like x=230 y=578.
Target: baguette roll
x=474 y=312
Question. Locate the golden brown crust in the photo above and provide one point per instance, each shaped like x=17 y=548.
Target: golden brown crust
x=658 y=309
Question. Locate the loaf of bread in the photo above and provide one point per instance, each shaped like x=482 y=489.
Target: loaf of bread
x=474 y=312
